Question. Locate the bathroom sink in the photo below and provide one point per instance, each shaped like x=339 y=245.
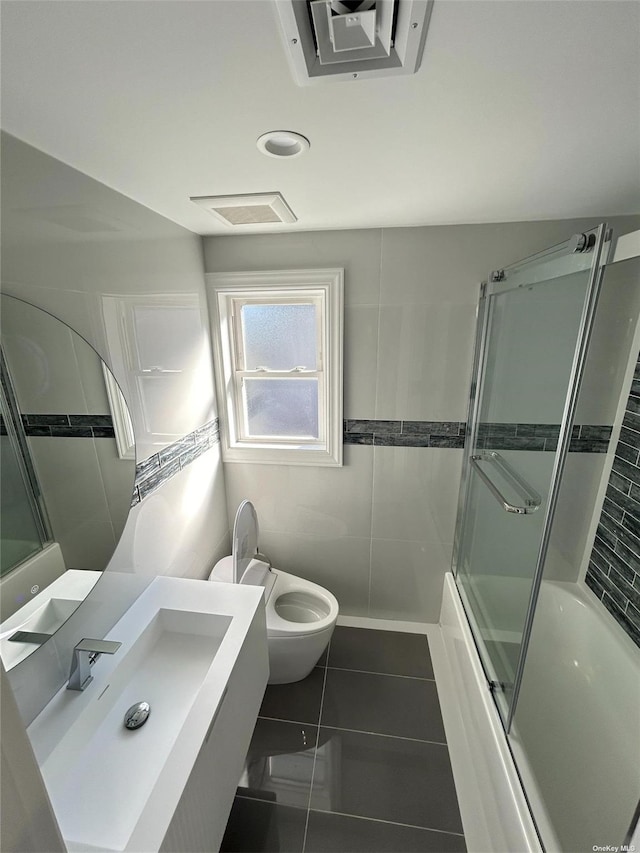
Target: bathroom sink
x=114 y=788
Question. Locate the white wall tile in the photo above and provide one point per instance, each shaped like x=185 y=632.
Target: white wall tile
x=340 y=564
x=360 y=358
x=70 y=273
x=424 y=361
x=118 y=476
x=572 y=520
x=178 y=529
x=90 y=369
x=306 y=499
x=616 y=320
x=415 y=493
x=357 y=251
x=448 y=262
x=92 y=545
x=73 y=488
x=42 y=360
x=407 y=579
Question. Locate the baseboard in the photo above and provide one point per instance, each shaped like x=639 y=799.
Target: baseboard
x=386 y=624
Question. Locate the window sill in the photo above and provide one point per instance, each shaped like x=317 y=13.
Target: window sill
x=295 y=455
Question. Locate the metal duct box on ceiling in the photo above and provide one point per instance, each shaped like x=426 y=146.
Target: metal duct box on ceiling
x=353 y=39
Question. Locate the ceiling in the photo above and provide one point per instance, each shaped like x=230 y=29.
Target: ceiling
x=519 y=111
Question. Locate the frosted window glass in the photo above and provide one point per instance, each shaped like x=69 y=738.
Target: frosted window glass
x=166 y=337
x=279 y=337
x=282 y=407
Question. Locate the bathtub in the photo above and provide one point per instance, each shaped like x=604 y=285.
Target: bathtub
x=583 y=764
x=580 y=768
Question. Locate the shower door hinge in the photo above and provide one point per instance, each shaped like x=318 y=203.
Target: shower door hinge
x=499 y=686
x=497 y=275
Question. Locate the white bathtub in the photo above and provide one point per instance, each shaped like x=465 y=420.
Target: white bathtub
x=581 y=767
x=584 y=761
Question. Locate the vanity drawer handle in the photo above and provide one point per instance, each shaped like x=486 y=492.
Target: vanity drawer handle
x=215 y=716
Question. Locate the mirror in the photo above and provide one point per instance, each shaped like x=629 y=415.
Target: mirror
x=67 y=474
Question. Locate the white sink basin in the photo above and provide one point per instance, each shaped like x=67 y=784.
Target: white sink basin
x=116 y=789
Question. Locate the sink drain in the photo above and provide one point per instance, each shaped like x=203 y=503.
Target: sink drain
x=137 y=715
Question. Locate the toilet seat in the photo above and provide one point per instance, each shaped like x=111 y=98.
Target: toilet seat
x=286 y=585
x=278 y=584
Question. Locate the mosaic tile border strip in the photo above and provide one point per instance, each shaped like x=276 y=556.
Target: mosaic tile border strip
x=68 y=426
x=585 y=438
x=613 y=574
x=154 y=471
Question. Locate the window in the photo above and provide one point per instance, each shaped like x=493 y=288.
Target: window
x=279 y=361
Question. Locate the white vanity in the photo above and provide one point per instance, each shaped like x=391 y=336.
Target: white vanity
x=197 y=653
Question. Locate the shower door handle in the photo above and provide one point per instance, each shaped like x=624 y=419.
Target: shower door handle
x=531 y=499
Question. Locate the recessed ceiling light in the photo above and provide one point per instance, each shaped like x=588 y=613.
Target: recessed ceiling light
x=282 y=143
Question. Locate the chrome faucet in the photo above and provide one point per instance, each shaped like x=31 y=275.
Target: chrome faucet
x=85 y=654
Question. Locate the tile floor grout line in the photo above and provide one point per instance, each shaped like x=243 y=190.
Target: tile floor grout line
x=390 y=674
x=390 y=822
x=358 y=817
x=315 y=754
x=282 y=720
x=383 y=734
x=355 y=731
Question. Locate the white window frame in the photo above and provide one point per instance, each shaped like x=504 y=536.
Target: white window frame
x=228 y=293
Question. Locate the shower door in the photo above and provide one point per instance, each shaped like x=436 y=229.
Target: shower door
x=25 y=526
x=533 y=322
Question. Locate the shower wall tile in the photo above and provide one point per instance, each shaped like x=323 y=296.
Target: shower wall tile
x=579 y=488
x=613 y=574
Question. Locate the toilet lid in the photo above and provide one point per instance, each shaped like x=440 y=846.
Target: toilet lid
x=245 y=538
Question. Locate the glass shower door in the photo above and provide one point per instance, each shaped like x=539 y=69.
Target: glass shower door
x=24 y=524
x=533 y=320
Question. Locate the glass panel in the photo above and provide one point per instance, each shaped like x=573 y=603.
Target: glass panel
x=576 y=727
x=164 y=336
x=20 y=538
x=532 y=336
x=280 y=337
x=282 y=407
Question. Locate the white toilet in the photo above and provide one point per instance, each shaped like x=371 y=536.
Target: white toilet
x=300 y=614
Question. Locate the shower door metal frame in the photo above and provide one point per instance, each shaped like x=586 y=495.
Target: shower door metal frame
x=18 y=440
x=593 y=248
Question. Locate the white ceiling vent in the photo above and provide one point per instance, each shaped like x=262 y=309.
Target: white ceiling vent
x=353 y=39
x=249 y=209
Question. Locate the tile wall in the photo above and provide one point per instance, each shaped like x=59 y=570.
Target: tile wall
x=59 y=389
x=613 y=574
x=124 y=258
x=379 y=531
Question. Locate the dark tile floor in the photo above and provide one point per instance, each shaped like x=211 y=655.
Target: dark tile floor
x=351 y=759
